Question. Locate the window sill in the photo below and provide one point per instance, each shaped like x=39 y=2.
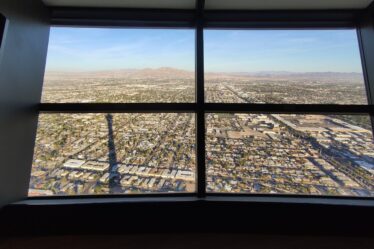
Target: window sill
x=253 y=214
x=271 y=199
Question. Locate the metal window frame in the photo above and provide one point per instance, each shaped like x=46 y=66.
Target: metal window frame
x=199 y=20
x=2 y=27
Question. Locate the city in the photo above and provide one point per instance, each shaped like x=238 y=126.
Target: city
x=119 y=153
x=289 y=154
x=245 y=153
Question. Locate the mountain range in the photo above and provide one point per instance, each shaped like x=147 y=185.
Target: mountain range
x=173 y=73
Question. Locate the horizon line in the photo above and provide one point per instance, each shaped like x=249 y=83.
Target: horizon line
x=193 y=71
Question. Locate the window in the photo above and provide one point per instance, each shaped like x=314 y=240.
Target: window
x=114 y=154
x=91 y=153
x=90 y=65
x=275 y=112
x=287 y=153
x=283 y=67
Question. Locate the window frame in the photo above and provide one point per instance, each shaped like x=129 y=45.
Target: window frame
x=2 y=27
x=199 y=20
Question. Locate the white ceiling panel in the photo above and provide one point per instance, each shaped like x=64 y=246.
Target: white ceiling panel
x=286 y=4
x=162 y=4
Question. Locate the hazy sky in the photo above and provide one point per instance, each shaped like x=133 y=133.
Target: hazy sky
x=82 y=49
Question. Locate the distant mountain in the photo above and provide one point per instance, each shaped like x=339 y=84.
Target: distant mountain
x=284 y=75
x=173 y=73
x=151 y=73
x=301 y=74
x=163 y=72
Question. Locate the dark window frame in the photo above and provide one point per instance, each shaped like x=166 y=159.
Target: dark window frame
x=2 y=27
x=200 y=19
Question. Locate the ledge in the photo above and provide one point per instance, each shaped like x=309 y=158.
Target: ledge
x=265 y=215
x=337 y=201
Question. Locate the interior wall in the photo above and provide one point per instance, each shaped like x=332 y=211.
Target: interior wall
x=367 y=36
x=22 y=62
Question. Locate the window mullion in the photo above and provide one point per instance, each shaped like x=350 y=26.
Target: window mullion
x=200 y=124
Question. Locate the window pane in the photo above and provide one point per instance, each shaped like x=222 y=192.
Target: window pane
x=114 y=154
x=290 y=154
x=283 y=66
x=119 y=66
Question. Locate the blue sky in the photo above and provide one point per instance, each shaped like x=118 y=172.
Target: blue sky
x=89 y=49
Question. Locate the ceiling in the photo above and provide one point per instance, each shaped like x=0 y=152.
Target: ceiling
x=217 y=4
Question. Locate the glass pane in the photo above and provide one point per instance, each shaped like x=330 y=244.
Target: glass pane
x=283 y=66
x=290 y=154
x=119 y=66
x=78 y=154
